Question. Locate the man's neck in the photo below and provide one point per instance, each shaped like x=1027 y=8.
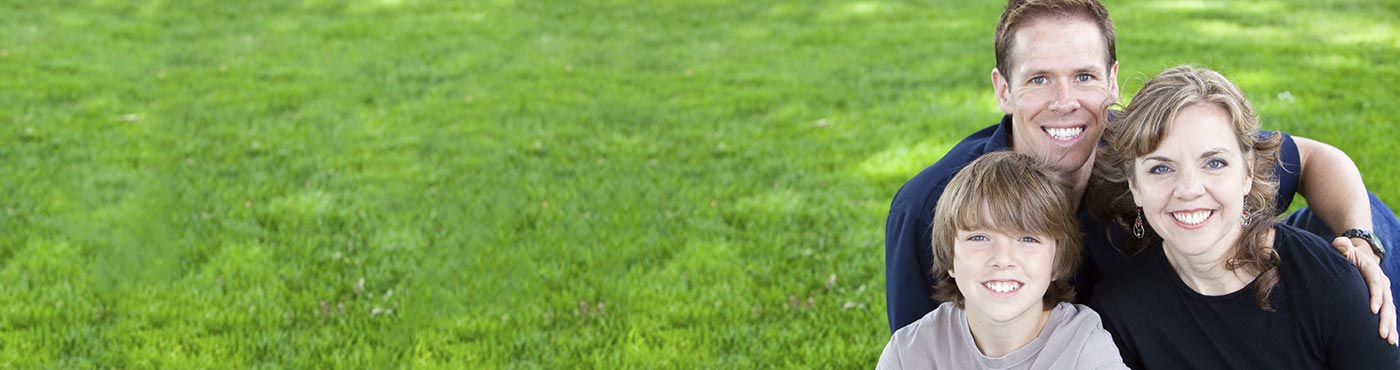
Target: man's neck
x=1079 y=180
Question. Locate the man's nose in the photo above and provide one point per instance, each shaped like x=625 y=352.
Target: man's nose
x=1064 y=100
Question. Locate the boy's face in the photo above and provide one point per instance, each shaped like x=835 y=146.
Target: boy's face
x=1003 y=277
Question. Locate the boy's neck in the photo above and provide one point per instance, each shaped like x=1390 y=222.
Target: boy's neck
x=997 y=339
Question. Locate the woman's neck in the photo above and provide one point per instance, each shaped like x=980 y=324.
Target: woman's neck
x=1207 y=273
x=997 y=339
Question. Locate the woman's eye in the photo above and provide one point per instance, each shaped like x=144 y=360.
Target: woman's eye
x=1039 y=80
x=1215 y=164
x=1158 y=169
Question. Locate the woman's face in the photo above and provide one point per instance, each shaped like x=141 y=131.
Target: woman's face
x=1192 y=187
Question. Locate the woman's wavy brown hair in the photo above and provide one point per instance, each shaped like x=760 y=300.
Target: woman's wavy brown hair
x=1012 y=193
x=1142 y=126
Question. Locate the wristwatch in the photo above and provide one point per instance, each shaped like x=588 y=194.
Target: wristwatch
x=1370 y=238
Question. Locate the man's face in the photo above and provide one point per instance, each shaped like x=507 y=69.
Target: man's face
x=1056 y=91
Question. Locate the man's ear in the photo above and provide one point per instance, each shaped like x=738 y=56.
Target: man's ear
x=1003 y=91
x=1113 y=81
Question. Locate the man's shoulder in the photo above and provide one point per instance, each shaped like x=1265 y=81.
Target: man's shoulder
x=922 y=191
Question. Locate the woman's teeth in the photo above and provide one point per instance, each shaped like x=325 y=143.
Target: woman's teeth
x=1191 y=218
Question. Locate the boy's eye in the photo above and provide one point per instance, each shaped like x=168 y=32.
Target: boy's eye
x=1029 y=239
x=977 y=238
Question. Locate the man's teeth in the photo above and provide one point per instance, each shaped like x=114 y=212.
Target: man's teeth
x=1191 y=218
x=1064 y=133
x=1002 y=286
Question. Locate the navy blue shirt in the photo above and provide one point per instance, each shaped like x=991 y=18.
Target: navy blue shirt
x=909 y=256
x=1321 y=318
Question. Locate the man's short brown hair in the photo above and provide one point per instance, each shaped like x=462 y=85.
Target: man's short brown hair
x=1022 y=13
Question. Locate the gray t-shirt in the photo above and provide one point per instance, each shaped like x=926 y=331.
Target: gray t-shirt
x=1073 y=338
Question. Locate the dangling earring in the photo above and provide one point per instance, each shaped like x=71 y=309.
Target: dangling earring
x=1138 y=231
x=1244 y=218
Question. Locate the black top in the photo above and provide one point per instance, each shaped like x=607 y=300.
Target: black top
x=909 y=256
x=1322 y=317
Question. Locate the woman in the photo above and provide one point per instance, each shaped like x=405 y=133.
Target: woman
x=1005 y=241
x=1219 y=283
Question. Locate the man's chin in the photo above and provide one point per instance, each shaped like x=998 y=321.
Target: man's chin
x=1071 y=164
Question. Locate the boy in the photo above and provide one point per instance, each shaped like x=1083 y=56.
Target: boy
x=1005 y=241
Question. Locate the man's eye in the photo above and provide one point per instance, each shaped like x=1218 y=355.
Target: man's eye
x=1084 y=77
x=1039 y=80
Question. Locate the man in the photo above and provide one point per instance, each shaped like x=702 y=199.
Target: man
x=1056 y=75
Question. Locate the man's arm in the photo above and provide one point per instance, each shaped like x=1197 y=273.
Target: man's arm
x=1332 y=185
x=907 y=297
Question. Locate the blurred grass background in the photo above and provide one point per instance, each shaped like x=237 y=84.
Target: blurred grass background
x=524 y=184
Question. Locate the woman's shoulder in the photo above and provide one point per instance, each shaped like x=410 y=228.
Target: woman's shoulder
x=1305 y=257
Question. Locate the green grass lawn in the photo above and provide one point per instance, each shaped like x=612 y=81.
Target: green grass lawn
x=521 y=184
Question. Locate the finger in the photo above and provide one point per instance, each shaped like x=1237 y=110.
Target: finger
x=1342 y=244
x=1380 y=298
x=1387 y=314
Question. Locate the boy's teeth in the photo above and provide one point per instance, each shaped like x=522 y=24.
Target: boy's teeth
x=1064 y=133
x=1191 y=218
x=1003 y=286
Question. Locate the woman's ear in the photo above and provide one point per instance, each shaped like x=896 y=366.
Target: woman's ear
x=1132 y=188
x=1249 y=173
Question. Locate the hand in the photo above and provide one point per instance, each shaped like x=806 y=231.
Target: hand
x=1359 y=252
